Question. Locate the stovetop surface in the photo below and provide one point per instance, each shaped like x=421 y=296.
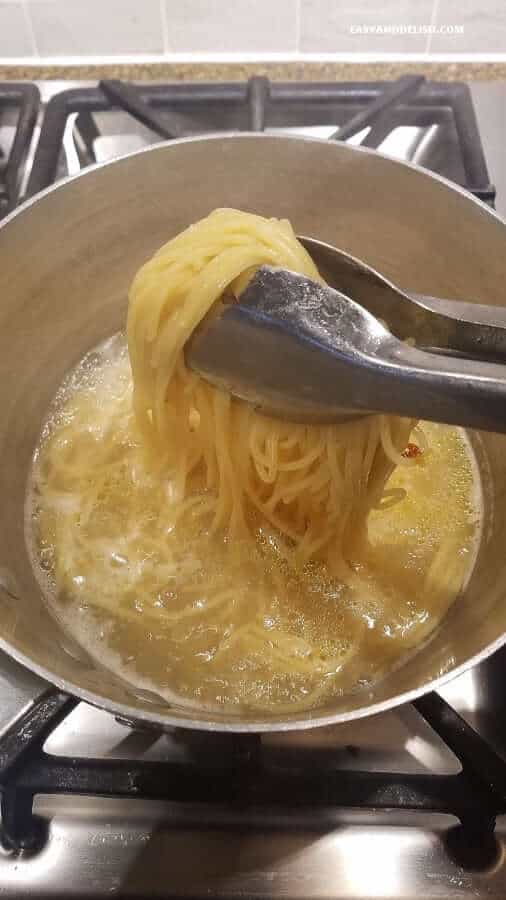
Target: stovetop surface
x=98 y=847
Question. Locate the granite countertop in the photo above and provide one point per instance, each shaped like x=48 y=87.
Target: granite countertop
x=278 y=71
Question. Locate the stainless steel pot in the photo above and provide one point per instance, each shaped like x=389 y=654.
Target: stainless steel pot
x=66 y=261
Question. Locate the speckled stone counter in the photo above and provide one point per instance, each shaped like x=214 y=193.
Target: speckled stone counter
x=278 y=71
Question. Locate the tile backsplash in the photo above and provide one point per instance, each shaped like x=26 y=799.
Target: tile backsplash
x=172 y=29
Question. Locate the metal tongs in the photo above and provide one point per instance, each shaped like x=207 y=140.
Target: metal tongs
x=310 y=353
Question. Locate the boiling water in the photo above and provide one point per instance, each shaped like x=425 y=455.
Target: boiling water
x=213 y=622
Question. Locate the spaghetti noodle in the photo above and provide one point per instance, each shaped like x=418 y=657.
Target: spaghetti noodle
x=314 y=484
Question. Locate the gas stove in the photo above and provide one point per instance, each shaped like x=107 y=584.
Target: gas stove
x=409 y=803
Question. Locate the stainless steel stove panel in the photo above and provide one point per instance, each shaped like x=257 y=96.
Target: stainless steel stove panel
x=121 y=853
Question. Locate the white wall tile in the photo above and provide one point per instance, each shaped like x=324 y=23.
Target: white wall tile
x=484 y=24
x=96 y=27
x=325 y=25
x=231 y=26
x=15 y=39
x=139 y=27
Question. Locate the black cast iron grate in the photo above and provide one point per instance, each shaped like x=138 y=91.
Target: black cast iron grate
x=246 y=779
x=19 y=105
x=176 y=110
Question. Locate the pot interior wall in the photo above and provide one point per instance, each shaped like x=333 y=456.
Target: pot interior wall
x=66 y=262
